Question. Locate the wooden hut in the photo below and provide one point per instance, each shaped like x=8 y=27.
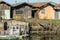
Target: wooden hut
x=24 y=10
x=5 y=10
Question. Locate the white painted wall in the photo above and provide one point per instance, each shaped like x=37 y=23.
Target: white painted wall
x=7 y=14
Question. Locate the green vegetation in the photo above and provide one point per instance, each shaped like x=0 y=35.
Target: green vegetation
x=48 y=21
x=9 y=38
x=36 y=20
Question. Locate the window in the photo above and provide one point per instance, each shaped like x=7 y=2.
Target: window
x=56 y=14
x=19 y=12
x=42 y=10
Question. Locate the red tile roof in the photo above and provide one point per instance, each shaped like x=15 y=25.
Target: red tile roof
x=57 y=5
x=44 y=3
x=39 y=4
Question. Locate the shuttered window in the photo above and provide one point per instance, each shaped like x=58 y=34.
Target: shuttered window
x=19 y=12
x=56 y=14
x=42 y=11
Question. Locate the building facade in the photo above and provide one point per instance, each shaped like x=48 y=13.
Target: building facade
x=5 y=9
x=42 y=10
x=48 y=10
x=24 y=10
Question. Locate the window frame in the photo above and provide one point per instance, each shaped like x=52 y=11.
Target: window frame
x=19 y=12
x=43 y=11
x=56 y=14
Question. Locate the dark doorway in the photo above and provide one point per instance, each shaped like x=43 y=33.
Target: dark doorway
x=33 y=13
x=11 y=13
x=5 y=25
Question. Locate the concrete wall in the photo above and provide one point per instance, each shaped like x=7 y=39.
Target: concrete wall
x=1 y=25
x=49 y=13
x=59 y=14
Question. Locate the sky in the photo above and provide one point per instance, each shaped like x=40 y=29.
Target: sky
x=31 y=1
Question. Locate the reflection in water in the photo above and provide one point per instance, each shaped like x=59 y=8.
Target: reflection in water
x=45 y=37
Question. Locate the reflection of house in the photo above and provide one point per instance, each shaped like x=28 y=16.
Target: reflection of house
x=5 y=10
x=17 y=27
x=24 y=10
x=42 y=10
x=48 y=10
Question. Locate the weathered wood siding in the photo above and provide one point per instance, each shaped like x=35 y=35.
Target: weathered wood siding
x=26 y=12
x=3 y=8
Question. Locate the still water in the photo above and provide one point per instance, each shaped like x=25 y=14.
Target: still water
x=44 y=37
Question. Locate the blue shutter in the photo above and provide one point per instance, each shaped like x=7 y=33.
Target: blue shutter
x=42 y=11
x=56 y=14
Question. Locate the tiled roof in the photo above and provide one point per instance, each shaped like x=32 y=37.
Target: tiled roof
x=5 y=3
x=23 y=5
x=16 y=4
x=39 y=4
x=33 y=4
x=57 y=5
x=44 y=3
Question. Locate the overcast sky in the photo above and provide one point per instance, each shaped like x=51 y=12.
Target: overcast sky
x=31 y=1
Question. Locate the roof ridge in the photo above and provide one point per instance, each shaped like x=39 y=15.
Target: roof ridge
x=5 y=2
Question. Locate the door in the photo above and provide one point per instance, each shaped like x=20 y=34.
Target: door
x=56 y=14
x=7 y=14
x=33 y=13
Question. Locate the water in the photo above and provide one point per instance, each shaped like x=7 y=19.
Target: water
x=45 y=37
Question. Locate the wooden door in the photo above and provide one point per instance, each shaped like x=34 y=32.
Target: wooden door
x=7 y=14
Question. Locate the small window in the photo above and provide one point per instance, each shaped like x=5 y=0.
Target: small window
x=19 y=12
x=42 y=10
x=56 y=15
